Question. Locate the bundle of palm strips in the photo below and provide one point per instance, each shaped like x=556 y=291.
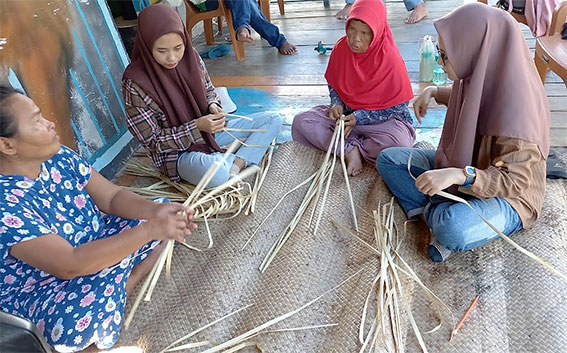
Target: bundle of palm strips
x=390 y=297
x=226 y=200
x=321 y=178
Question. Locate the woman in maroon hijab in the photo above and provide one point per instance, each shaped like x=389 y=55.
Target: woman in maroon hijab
x=495 y=139
x=172 y=107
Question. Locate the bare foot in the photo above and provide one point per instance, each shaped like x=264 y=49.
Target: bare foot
x=419 y=13
x=236 y=167
x=354 y=162
x=287 y=48
x=244 y=35
x=143 y=268
x=342 y=15
x=239 y=162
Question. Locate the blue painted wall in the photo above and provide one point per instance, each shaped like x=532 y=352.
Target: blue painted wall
x=68 y=57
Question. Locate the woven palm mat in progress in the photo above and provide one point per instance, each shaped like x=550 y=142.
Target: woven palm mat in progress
x=522 y=307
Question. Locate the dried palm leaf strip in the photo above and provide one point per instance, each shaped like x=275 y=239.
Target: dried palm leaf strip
x=151 y=281
x=502 y=235
x=387 y=288
x=264 y=167
x=321 y=177
x=247 y=335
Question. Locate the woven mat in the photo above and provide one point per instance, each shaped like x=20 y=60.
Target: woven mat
x=522 y=309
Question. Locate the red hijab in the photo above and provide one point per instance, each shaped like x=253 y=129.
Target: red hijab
x=179 y=92
x=376 y=79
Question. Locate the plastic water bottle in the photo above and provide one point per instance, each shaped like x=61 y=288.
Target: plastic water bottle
x=426 y=59
x=439 y=75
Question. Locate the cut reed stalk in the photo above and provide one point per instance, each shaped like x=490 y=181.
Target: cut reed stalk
x=241 y=140
x=193 y=333
x=276 y=206
x=159 y=265
x=330 y=173
x=388 y=290
x=323 y=172
x=345 y=174
x=321 y=178
x=145 y=286
x=191 y=345
x=264 y=167
x=245 y=336
x=244 y=130
x=242 y=346
x=240 y=117
x=302 y=328
x=197 y=201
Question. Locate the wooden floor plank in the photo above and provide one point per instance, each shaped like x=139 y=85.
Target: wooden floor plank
x=300 y=77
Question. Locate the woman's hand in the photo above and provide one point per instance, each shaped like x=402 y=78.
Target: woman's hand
x=422 y=102
x=336 y=112
x=433 y=181
x=171 y=221
x=211 y=123
x=350 y=123
x=216 y=109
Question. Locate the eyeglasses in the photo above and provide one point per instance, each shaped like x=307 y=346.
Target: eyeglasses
x=441 y=53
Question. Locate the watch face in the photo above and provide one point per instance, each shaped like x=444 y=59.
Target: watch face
x=469 y=171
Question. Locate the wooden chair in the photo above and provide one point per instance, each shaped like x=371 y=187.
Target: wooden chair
x=551 y=50
x=265 y=8
x=194 y=16
x=521 y=18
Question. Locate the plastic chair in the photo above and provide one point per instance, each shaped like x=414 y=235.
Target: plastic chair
x=194 y=16
x=551 y=50
x=20 y=335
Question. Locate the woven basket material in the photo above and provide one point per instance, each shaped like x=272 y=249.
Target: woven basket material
x=522 y=307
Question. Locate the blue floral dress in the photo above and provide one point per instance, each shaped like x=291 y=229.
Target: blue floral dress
x=72 y=314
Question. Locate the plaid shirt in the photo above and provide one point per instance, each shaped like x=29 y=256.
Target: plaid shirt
x=149 y=124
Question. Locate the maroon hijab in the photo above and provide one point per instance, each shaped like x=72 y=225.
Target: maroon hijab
x=498 y=93
x=179 y=92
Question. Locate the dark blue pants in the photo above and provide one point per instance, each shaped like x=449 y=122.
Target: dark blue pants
x=246 y=13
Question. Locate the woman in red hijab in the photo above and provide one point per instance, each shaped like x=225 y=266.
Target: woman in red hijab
x=495 y=138
x=369 y=85
x=172 y=107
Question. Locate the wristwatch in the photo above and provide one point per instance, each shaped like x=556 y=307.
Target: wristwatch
x=470 y=174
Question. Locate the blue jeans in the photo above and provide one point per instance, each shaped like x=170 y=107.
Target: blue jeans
x=246 y=13
x=191 y=166
x=410 y=4
x=454 y=224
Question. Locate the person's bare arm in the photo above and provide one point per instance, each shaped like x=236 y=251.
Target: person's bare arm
x=442 y=95
x=421 y=104
x=53 y=254
x=118 y=201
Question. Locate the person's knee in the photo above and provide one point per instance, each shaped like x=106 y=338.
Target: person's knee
x=447 y=226
x=222 y=175
x=389 y=156
x=192 y=166
x=298 y=125
x=274 y=121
